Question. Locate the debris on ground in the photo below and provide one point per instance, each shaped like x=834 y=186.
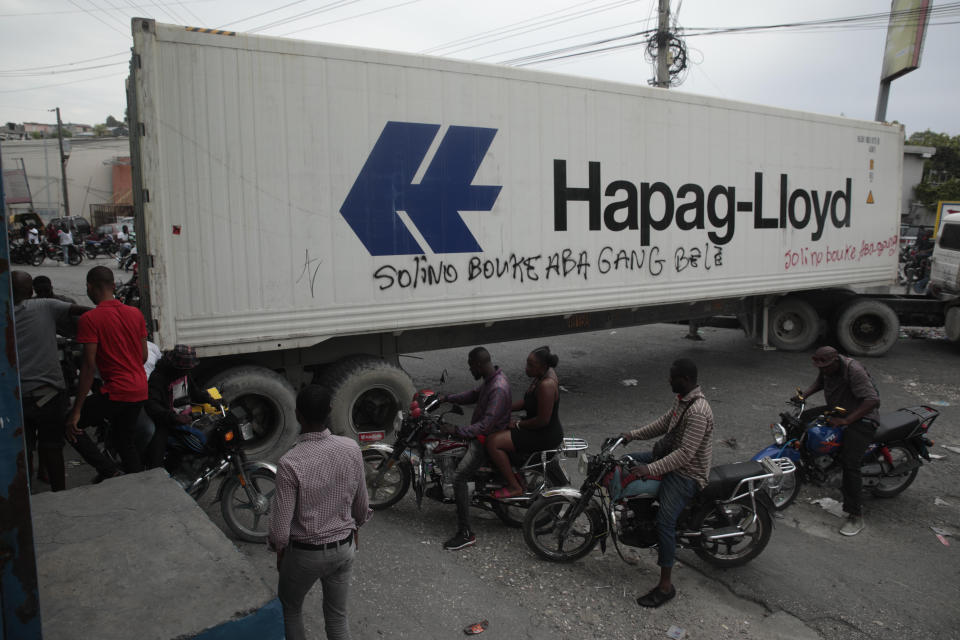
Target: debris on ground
x=940 y=502
x=940 y=531
x=829 y=505
x=677 y=633
x=730 y=442
x=940 y=403
x=630 y=382
x=950 y=448
x=936 y=456
x=478 y=627
x=923 y=333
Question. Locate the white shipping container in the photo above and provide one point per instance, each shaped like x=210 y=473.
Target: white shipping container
x=300 y=191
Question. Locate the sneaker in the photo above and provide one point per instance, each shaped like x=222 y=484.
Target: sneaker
x=463 y=539
x=852 y=526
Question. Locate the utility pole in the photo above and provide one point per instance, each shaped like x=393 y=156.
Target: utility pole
x=663 y=46
x=63 y=165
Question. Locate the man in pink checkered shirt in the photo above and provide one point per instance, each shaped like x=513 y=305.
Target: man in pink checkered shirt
x=320 y=503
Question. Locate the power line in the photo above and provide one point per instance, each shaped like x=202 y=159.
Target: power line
x=46 y=73
x=66 y=64
x=262 y=13
x=570 y=48
x=359 y=15
x=59 y=84
x=306 y=14
x=98 y=18
x=57 y=13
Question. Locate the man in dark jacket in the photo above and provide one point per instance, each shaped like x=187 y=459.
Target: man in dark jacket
x=172 y=390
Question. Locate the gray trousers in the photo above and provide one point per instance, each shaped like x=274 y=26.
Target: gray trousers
x=299 y=570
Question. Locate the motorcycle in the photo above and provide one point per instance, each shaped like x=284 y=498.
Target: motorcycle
x=127 y=257
x=25 y=253
x=211 y=446
x=426 y=458
x=55 y=252
x=105 y=246
x=129 y=291
x=728 y=523
x=889 y=466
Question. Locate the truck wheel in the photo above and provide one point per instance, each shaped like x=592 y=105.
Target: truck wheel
x=951 y=325
x=366 y=394
x=270 y=403
x=867 y=327
x=794 y=325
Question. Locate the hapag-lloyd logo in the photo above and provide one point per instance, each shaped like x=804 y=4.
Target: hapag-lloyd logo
x=385 y=186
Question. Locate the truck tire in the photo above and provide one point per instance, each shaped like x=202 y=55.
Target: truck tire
x=366 y=393
x=794 y=325
x=867 y=327
x=270 y=403
x=951 y=325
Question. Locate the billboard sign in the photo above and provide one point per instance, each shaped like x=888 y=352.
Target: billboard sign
x=908 y=24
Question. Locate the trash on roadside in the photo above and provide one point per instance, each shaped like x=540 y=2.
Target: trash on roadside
x=936 y=456
x=629 y=382
x=940 y=502
x=477 y=627
x=940 y=403
x=676 y=632
x=830 y=505
x=730 y=442
x=940 y=531
x=943 y=540
x=949 y=448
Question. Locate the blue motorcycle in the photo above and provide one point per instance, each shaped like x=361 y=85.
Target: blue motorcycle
x=889 y=466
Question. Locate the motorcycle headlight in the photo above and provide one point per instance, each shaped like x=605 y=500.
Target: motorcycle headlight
x=779 y=433
x=582 y=463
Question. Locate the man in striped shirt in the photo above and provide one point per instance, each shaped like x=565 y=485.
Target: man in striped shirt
x=320 y=503
x=682 y=459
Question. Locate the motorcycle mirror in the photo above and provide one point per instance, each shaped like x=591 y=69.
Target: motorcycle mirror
x=443 y=376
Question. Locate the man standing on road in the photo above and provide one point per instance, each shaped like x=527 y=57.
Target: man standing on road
x=682 y=458
x=42 y=387
x=846 y=383
x=492 y=413
x=66 y=241
x=320 y=503
x=114 y=339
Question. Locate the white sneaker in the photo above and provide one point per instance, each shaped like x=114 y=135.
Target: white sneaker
x=852 y=526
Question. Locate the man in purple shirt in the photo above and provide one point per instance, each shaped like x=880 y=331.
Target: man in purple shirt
x=320 y=503
x=492 y=413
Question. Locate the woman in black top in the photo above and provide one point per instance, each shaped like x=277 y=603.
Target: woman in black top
x=539 y=430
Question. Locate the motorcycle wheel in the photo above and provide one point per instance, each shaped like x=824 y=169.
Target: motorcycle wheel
x=739 y=550
x=393 y=484
x=249 y=520
x=75 y=257
x=37 y=258
x=890 y=486
x=789 y=490
x=512 y=514
x=549 y=532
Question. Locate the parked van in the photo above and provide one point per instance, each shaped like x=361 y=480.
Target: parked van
x=945 y=266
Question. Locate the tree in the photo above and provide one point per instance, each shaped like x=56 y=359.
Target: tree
x=113 y=122
x=36 y=135
x=941 y=173
x=100 y=130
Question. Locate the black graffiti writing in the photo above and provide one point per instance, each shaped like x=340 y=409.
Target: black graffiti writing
x=423 y=273
x=310 y=269
x=693 y=258
x=563 y=263
x=610 y=259
x=515 y=267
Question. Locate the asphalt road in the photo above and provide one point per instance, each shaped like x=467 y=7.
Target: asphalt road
x=894 y=580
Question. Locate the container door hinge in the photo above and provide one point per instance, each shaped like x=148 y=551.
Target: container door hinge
x=156 y=325
x=136 y=60
x=146 y=195
x=142 y=128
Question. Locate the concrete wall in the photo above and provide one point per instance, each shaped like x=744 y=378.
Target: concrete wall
x=89 y=172
x=913 y=159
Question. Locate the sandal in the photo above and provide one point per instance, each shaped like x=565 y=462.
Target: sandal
x=654 y=598
x=503 y=493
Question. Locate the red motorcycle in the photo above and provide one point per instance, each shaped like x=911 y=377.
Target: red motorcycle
x=425 y=457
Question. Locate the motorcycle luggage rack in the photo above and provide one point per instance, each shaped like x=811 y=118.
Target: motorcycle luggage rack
x=571 y=446
x=776 y=467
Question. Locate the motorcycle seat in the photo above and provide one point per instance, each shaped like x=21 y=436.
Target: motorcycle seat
x=724 y=478
x=895 y=426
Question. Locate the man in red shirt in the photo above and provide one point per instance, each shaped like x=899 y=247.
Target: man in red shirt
x=114 y=339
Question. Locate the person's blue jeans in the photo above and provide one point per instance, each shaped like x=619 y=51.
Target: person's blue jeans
x=675 y=491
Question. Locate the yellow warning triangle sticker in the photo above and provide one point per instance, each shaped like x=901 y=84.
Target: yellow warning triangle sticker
x=870 y=197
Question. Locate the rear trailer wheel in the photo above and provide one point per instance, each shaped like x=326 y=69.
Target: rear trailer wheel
x=867 y=327
x=366 y=394
x=249 y=518
x=734 y=533
x=385 y=486
x=794 y=325
x=269 y=402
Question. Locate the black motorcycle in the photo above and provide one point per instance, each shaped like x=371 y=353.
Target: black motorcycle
x=728 y=523
x=25 y=253
x=211 y=446
x=105 y=246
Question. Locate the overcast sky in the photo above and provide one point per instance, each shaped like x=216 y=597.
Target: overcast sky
x=827 y=70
